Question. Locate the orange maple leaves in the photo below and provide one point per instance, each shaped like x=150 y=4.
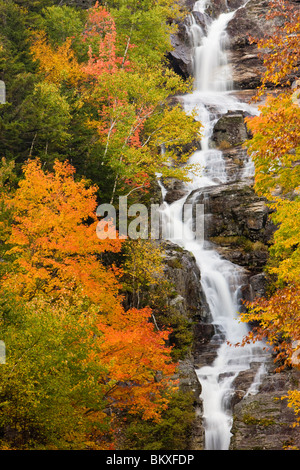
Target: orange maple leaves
x=56 y=253
x=278 y=323
x=56 y=249
x=139 y=362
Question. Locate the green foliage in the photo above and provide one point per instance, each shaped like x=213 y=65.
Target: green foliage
x=46 y=114
x=14 y=42
x=146 y=26
x=143 y=268
x=47 y=383
x=145 y=284
x=61 y=22
x=109 y=116
x=33 y=5
x=17 y=70
x=8 y=183
x=173 y=432
x=181 y=337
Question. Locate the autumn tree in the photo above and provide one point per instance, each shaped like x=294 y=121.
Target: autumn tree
x=275 y=149
x=54 y=244
x=58 y=63
x=145 y=28
x=141 y=370
x=50 y=381
x=79 y=89
x=56 y=274
x=112 y=117
x=280 y=50
x=133 y=119
x=120 y=104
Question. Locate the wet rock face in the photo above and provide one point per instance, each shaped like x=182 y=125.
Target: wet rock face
x=230 y=130
x=174 y=190
x=182 y=270
x=264 y=421
x=216 y=7
x=247 y=67
x=180 y=57
x=249 y=20
x=237 y=222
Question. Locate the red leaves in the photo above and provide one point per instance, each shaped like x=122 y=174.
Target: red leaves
x=101 y=29
x=99 y=22
x=134 y=353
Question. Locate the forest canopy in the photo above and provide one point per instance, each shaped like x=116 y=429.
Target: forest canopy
x=87 y=118
x=90 y=114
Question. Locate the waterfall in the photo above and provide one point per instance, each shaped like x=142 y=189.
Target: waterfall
x=221 y=280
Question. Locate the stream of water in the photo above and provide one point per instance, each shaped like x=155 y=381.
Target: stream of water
x=221 y=280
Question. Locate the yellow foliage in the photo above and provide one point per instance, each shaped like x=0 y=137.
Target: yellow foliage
x=57 y=65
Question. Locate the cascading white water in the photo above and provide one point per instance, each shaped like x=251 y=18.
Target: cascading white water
x=220 y=279
x=215 y=61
